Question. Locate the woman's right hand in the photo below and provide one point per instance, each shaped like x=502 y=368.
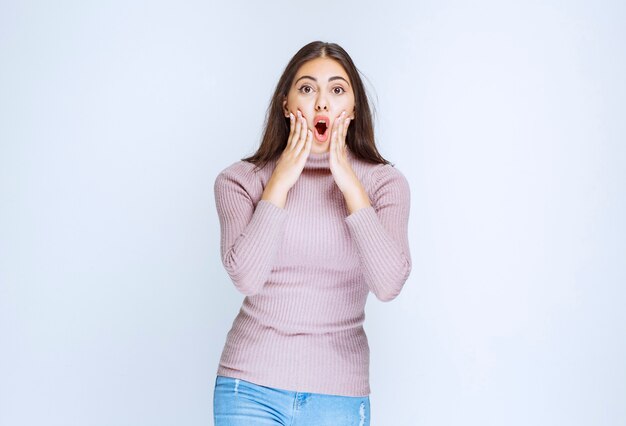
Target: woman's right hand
x=291 y=162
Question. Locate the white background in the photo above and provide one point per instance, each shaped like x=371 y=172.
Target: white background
x=507 y=118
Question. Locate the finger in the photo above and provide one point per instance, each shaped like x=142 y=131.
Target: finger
x=334 y=142
x=345 y=130
x=336 y=128
x=291 y=127
x=309 y=143
x=304 y=130
x=296 y=132
x=333 y=134
x=331 y=150
x=340 y=131
x=300 y=147
x=306 y=147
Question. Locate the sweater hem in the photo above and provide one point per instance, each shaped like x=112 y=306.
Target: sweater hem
x=277 y=384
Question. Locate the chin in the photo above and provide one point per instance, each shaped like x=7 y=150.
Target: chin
x=320 y=150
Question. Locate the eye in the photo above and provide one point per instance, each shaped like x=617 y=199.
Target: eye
x=303 y=88
x=341 y=90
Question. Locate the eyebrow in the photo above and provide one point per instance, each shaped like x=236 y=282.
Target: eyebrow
x=329 y=80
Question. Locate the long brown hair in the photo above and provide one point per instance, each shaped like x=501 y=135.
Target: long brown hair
x=360 y=137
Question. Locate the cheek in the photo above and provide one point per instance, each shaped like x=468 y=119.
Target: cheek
x=347 y=105
x=305 y=106
x=294 y=102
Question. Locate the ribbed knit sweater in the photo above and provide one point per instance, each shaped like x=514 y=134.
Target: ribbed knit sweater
x=306 y=271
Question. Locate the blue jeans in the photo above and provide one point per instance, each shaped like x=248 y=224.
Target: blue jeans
x=237 y=402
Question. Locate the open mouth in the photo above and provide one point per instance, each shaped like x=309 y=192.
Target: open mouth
x=321 y=129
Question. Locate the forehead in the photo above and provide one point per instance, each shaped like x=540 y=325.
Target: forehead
x=322 y=68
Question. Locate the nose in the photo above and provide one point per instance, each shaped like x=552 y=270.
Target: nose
x=321 y=104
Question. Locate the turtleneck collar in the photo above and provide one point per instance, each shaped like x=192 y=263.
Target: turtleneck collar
x=321 y=160
x=318 y=161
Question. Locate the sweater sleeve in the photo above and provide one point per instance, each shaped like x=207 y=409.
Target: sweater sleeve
x=250 y=235
x=380 y=233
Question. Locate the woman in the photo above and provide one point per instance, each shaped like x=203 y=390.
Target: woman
x=310 y=224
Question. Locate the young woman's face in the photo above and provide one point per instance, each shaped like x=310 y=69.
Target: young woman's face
x=321 y=90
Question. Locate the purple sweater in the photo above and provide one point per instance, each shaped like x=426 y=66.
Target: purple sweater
x=306 y=271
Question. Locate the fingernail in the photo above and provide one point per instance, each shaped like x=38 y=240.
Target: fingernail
x=291 y=116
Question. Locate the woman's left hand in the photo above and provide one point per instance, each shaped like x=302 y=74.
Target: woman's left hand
x=340 y=167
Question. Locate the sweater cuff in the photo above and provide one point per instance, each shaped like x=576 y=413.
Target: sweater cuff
x=365 y=225
x=371 y=238
x=268 y=220
x=270 y=210
x=362 y=218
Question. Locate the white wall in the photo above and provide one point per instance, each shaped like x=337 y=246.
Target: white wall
x=506 y=117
